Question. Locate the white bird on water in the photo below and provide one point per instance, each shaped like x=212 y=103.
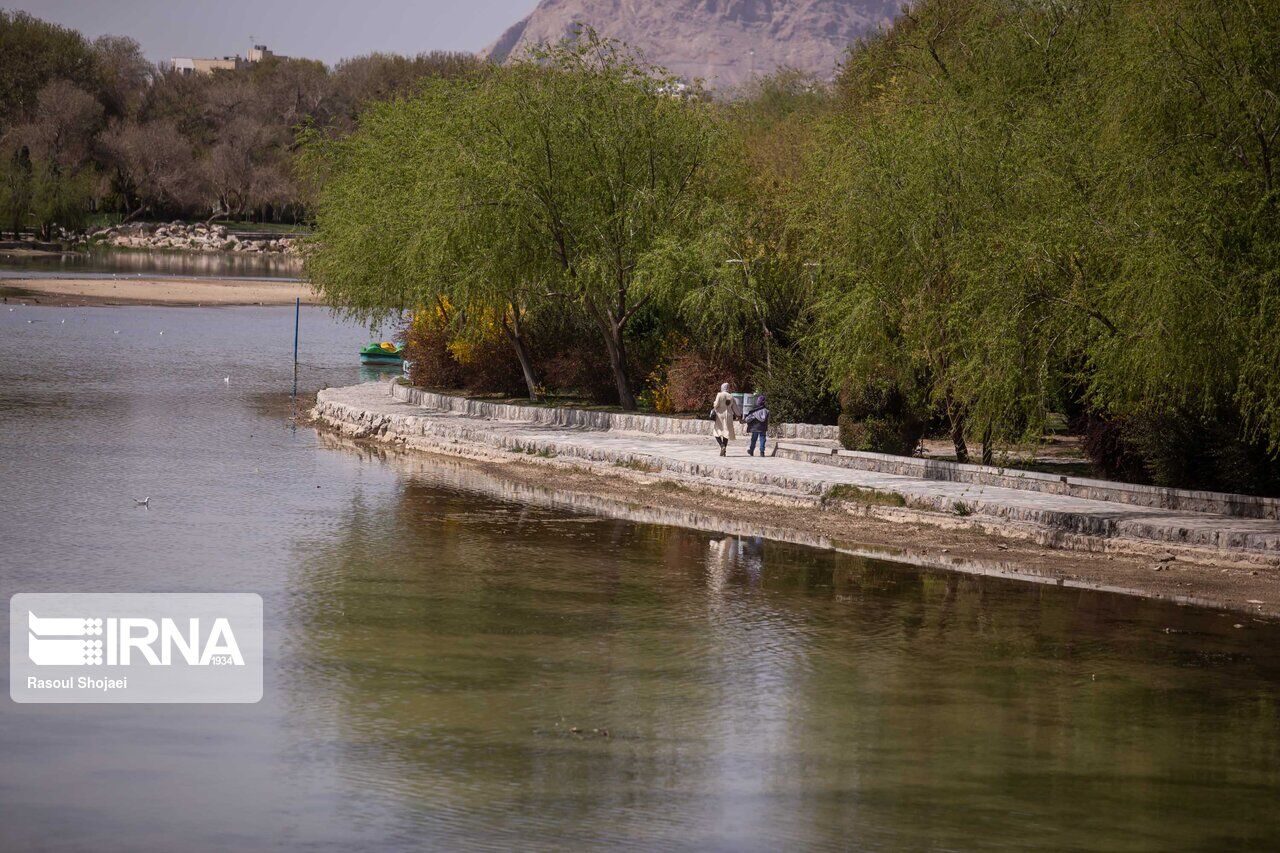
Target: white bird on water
x=143 y=501
x=226 y=379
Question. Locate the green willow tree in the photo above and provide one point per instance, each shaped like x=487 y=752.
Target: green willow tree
x=543 y=185
x=744 y=282
x=369 y=209
x=603 y=154
x=937 y=200
x=413 y=213
x=1027 y=208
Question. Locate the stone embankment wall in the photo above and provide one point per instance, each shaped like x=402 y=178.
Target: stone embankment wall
x=442 y=423
x=1155 y=497
x=587 y=418
x=1241 y=506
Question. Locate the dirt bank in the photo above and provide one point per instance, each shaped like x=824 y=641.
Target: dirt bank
x=917 y=538
x=154 y=291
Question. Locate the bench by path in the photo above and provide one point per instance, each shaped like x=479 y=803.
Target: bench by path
x=371 y=410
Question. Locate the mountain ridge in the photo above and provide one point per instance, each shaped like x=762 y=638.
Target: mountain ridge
x=723 y=42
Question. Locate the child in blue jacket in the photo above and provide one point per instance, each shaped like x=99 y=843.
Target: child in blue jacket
x=757 y=421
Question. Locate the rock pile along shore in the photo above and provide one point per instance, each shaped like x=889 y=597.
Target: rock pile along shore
x=180 y=235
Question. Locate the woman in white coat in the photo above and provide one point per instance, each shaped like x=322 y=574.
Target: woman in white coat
x=724 y=411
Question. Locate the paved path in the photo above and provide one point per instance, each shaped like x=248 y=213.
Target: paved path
x=370 y=410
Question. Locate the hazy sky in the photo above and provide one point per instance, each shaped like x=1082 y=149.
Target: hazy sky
x=319 y=29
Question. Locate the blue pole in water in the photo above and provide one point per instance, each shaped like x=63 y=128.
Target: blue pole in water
x=297 y=313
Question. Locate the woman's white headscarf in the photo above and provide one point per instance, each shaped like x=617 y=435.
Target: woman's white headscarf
x=724 y=387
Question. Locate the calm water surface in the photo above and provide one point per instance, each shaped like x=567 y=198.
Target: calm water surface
x=100 y=261
x=432 y=645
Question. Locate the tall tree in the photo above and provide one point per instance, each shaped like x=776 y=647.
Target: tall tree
x=50 y=157
x=412 y=213
x=36 y=53
x=603 y=155
x=556 y=178
x=153 y=167
x=122 y=74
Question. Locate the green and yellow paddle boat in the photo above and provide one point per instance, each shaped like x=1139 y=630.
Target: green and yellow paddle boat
x=385 y=352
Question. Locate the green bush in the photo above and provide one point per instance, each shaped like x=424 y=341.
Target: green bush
x=1184 y=450
x=798 y=391
x=877 y=417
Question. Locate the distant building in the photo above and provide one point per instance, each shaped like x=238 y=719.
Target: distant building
x=194 y=65
x=260 y=52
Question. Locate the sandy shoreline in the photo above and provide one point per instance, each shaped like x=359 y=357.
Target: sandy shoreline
x=154 y=291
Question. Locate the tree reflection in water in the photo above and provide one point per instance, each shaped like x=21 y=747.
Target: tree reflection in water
x=517 y=671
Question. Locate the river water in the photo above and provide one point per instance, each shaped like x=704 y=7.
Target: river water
x=455 y=663
x=142 y=263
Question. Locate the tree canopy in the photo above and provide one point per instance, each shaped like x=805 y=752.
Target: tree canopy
x=1036 y=207
x=97 y=125
x=1002 y=214
x=551 y=181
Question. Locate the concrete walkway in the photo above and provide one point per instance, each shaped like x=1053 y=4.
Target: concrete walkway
x=370 y=411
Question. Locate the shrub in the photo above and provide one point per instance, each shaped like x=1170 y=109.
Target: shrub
x=798 y=391
x=692 y=380
x=489 y=364
x=1110 y=450
x=578 y=368
x=431 y=363
x=1183 y=450
x=481 y=362
x=877 y=417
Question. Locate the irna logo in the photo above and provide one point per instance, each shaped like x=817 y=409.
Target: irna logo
x=135 y=647
x=116 y=641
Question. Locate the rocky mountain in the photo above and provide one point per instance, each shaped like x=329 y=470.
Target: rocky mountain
x=723 y=42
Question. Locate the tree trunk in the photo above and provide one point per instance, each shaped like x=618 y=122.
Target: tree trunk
x=988 y=453
x=222 y=211
x=522 y=352
x=136 y=213
x=611 y=327
x=768 y=358
x=957 y=438
x=618 y=365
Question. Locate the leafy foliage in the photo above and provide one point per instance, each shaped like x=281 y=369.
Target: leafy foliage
x=518 y=195
x=1018 y=203
x=143 y=140
x=1001 y=210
